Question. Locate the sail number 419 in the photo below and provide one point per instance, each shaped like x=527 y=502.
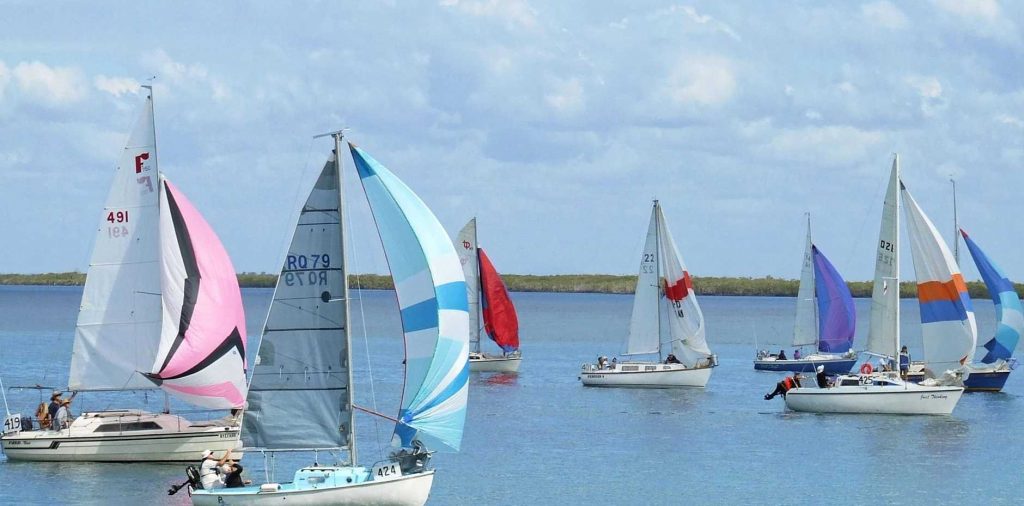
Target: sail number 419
x=389 y=471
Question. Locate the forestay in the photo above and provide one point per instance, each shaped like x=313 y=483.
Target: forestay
x=805 y=328
x=201 y=357
x=643 y=324
x=883 y=335
x=466 y=245
x=948 y=327
x=118 y=328
x=298 y=396
x=499 y=313
x=837 y=320
x=679 y=302
x=1008 y=307
x=431 y=294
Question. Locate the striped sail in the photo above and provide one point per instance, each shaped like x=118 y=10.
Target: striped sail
x=883 y=335
x=299 y=393
x=1008 y=306
x=201 y=356
x=679 y=302
x=948 y=328
x=805 y=329
x=118 y=328
x=837 y=321
x=466 y=245
x=431 y=291
x=644 y=328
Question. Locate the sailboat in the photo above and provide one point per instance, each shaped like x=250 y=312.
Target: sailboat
x=825 y=318
x=666 y=320
x=161 y=309
x=945 y=316
x=991 y=373
x=488 y=297
x=301 y=393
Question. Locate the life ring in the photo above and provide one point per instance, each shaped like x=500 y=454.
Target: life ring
x=866 y=368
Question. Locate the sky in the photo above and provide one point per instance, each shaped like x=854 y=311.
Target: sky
x=554 y=123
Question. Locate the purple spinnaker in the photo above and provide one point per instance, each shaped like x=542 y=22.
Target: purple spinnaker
x=837 y=319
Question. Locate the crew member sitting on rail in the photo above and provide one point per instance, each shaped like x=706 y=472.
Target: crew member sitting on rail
x=788 y=383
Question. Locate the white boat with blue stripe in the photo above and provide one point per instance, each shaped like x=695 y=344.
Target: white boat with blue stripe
x=300 y=396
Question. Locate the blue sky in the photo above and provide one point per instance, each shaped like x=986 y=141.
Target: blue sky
x=554 y=123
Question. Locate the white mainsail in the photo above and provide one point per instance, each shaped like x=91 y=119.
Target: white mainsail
x=118 y=329
x=805 y=331
x=884 y=336
x=679 y=302
x=466 y=245
x=299 y=395
x=644 y=324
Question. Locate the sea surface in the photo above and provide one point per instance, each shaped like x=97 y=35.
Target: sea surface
x=540 y=438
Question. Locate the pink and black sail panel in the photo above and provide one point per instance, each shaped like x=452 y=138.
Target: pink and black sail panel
x=202 y=343
x=500 y=319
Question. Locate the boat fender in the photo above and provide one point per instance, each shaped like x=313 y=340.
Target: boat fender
x=270 y=487
x=866 y=368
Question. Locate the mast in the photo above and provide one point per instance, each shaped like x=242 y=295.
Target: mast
x=896 y=267
x=152 y=117
x=956 y=226
x=345 y=294
x=814 y=292
x=474 y=333
x=657 y=268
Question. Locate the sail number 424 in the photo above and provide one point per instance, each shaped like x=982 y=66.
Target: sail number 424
x=388 y=471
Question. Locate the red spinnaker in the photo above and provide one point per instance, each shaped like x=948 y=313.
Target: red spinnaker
x=500 y=319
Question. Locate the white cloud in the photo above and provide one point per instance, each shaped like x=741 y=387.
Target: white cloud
x=514 y=11
x=930 y=90
x=185 y=75
x=5 y=77
x=812 y=114
x=981 y=9
x=49 y=85
x=1007 y=119
x=705 y=80
x=884 y=14
x=567 y=96
x=116 y=86
x=827 y=145
x=984 y=18
x=704 y=19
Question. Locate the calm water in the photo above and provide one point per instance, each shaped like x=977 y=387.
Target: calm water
x=541 y=438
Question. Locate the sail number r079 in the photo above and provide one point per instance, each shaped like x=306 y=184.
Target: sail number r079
x=314 y=261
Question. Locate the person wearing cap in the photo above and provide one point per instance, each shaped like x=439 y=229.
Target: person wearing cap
x=904 y=362
x=821 y=377
x=210 y=470
x=51 y=410
x=63 y=417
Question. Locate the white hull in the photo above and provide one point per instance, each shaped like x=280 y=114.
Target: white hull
x=175 y=441
x=409 y=490
x=485 y=363
x=645 y=375
x=895 y=398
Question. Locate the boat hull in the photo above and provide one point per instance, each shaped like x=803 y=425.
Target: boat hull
x=645 y=375
x=495 y=364
x=986 y=381
x=906 y=399
x=81 y=443
x=409 y=490
x=832 y=366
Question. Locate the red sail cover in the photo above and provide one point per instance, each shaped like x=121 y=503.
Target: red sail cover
x=500 y=319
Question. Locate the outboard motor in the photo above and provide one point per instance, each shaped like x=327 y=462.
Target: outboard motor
x=191 y=481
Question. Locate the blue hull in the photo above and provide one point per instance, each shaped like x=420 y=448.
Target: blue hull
x=839 y=366
x=986 y=381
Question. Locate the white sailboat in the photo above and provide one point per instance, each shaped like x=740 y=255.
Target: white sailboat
x=825 y=320
x=884 y=391
x=488 y=298
x=666 y=320
x=161 y=308
x=301 y=394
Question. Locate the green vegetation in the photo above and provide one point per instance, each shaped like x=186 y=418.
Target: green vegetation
x=566 y=283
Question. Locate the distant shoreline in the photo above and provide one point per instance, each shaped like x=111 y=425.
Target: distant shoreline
x=767 y=286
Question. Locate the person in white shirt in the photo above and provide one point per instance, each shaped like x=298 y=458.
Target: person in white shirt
x=210 y=470
x=63 y=417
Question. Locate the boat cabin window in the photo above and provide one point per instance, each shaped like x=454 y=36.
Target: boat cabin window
x=650 y=368
x=130 y=426
x=850 y=382
x=628 y=368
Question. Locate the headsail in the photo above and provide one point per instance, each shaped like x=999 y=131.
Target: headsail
x=805 y=329
x=118 y=328
x=500 y=319
x=837 y=321
x=301 y=364
x=201 y=357
x=1008 y=306
x=884 y=333
x=643 y=324
x=685 y=319
x=948 y=328
x=466 y=245
x=431 y=293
